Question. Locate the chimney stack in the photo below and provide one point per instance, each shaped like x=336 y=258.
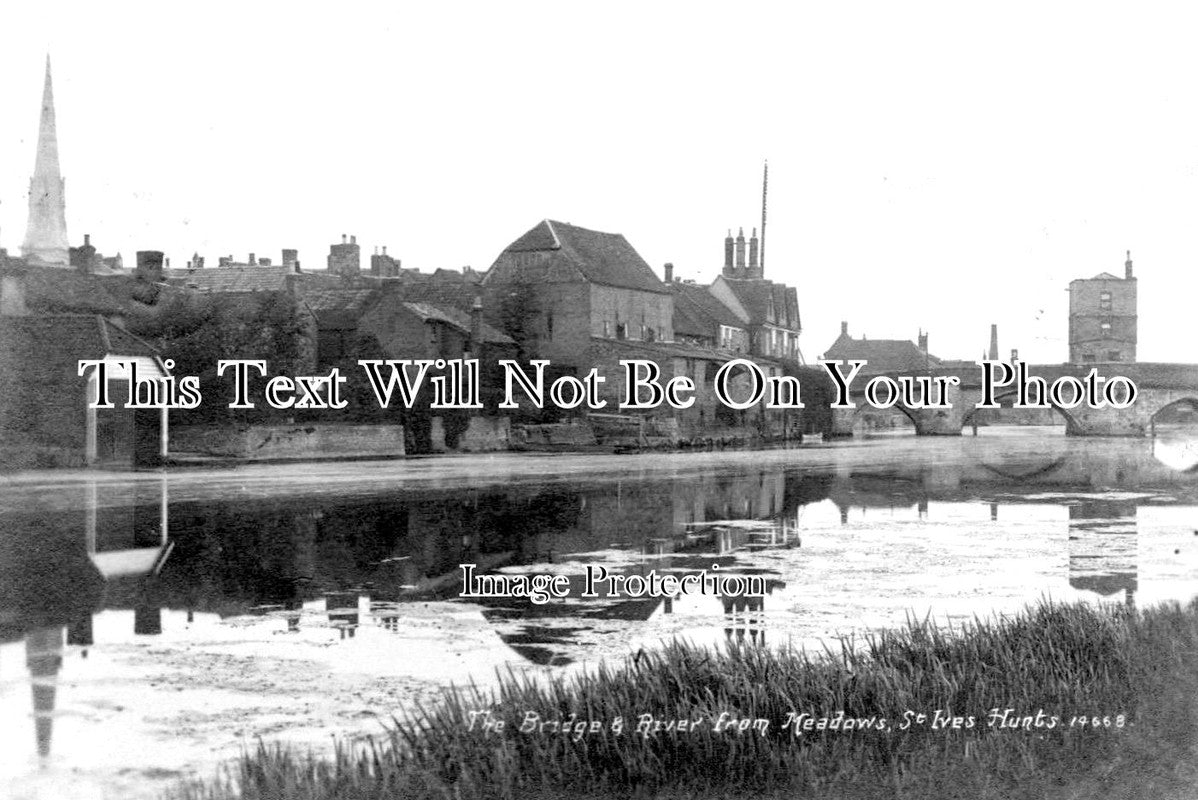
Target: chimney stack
x=753 y=265
x=728 y=252
x=669 y=272
x=740 y=249
x=1127 y=267
x=844 y=328
x=343 y=238
x=923 y=342
x=994 y=343
x=149 y=265
x=252 y=260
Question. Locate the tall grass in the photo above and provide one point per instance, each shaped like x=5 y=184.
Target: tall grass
x=1062 y=660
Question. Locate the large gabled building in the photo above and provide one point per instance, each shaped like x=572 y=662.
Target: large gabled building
x=569 y=284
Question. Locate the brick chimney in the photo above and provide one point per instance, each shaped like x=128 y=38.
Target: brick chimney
x=844 y=328
x=753 y=251
x=669 y=270
x=1127 y=267
x=149 y=265
x=728 y=253
x=740 y=249
x=923 y=342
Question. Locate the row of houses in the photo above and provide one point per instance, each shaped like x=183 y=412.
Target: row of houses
x=579 y=298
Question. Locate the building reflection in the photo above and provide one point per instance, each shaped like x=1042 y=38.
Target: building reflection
x=345 y=565
x=1103 y=548
x=57 y=570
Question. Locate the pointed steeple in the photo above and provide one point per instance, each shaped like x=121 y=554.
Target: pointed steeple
x=46 y=232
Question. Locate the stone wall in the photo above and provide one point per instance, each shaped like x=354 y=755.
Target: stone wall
x=269 y=442
x=559 y=435
x=483 y=435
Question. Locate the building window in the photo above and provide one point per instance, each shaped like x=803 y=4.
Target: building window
x=1104 y=301
x=606 y=329
x=1113 y=355
x=621 y=331
x=1105 y=327
x=1088 y=358
x=549 y=325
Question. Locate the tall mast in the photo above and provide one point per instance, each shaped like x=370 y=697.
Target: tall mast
x=765 y=187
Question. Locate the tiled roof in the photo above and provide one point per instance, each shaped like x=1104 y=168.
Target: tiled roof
x=760 y=297
x=349 y=300
x=64 y=339
x=65 y=291
x=457 y=319
x=698 y=304
x=446 y=294
x=234 y=279
x=338 y=309
x=603 y=258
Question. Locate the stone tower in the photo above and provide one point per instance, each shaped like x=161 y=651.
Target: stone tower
x=46 y=233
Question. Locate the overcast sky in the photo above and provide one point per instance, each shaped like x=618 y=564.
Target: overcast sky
x=931 y=165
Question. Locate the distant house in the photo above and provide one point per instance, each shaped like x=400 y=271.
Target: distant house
x=772 y=311
x=882 y=355
x=702 y=319
x=400 y=328
x=44 y=415
x=570 y=284
x=247 y=291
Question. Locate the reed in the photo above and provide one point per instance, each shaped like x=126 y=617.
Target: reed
x=1051 y=660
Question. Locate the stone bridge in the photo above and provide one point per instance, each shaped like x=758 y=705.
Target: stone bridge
x=1159 y=387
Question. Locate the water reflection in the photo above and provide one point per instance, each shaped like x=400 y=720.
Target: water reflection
x=1103 y=554
x=852 y=540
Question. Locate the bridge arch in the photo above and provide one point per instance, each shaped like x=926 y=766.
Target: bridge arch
x=1071 y=424
x=870 y=410
x=1190 y=402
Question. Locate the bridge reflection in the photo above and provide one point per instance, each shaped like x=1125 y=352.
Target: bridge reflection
x=349 y=569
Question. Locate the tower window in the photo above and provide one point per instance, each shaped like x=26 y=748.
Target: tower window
x=1104 y=301
x=1105 y=327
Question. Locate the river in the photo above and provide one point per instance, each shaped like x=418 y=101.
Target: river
x=152 y=624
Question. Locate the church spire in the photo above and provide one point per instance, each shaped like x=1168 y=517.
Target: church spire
x=46 y=232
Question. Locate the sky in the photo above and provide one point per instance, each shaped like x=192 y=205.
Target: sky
x=935 y=166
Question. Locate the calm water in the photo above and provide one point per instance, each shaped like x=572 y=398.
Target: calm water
x=152 y=624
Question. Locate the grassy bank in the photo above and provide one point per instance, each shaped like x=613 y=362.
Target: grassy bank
x=1052 y=661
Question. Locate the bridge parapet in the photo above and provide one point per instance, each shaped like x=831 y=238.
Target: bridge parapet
x=1158 y=386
